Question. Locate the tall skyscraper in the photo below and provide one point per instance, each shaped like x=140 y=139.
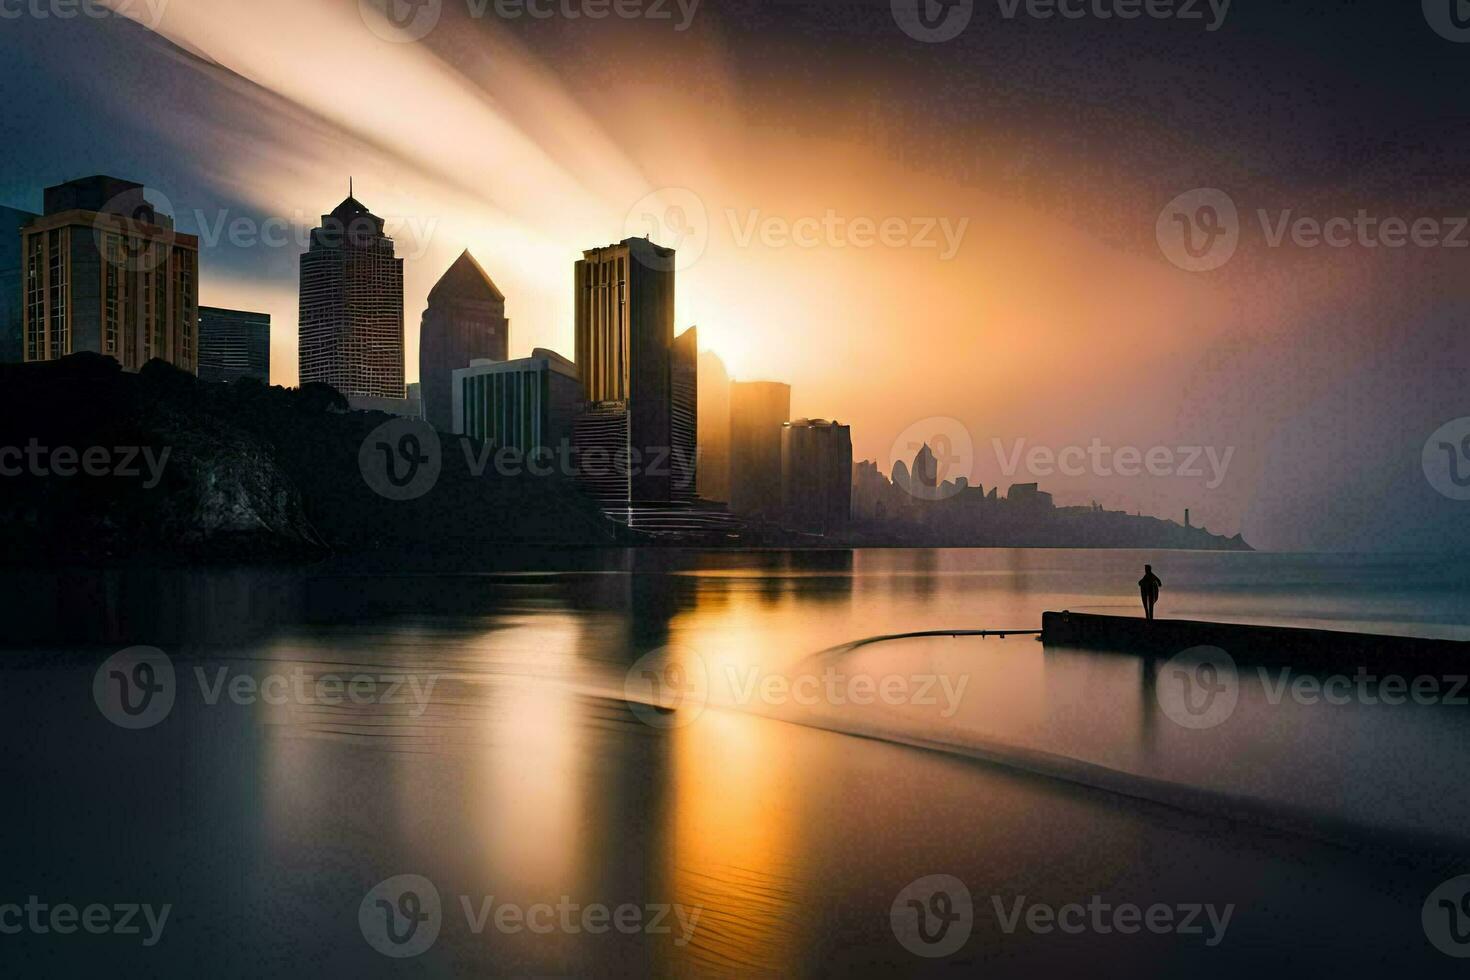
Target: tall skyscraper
x=816 y=475
x=102 y=270
x=463 y=322
x=758 y=409
x=714 y=428
x=234 y=344
x=12 y=309
x=351 y=322
x=624 y=354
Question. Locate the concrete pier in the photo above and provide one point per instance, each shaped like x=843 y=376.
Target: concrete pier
x=1256 y=644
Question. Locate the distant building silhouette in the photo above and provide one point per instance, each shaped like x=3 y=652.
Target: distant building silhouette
x=12 y=310
x=871 y=492
x=234 y=344
x=624 y=329
x=758 y=409
x=464 y=321
x=1029 y=494
x=104 y=271
x=816 y=475
x=526 y=404
x=351 y=322
x=925 y=474
x=901 y=478
x=714 y=428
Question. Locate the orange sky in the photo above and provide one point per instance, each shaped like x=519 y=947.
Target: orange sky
x=1036 y=328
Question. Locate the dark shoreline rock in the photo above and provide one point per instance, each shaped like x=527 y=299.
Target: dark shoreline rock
x=240 y=472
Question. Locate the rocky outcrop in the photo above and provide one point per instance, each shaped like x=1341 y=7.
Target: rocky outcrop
x=98 y=464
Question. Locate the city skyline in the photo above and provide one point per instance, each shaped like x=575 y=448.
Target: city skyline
x=1253 y=356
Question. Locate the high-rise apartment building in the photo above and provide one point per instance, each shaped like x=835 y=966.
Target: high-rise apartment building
x=102 y=270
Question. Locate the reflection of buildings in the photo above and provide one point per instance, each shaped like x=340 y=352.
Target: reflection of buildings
x=103 y=271
x=12 y=312
x=351 y=323
x=637 y=381
x=463 y=322
x=714 y=428
x=758 y=409
x=234 y=344
x=816 y=475
x=527 y=404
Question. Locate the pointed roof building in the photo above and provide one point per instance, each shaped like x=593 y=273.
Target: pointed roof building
x=466 y=278
x=463 y=322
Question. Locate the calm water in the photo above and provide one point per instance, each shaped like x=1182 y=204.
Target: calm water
x=653 y=729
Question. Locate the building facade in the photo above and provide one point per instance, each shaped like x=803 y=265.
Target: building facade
x=684 y=415
x=714 y=428
x=463 y=322
x=527 y=404
x=758 y=410
x=234 y=344
x=102 y=270
x=816 y=475
x=12 y=309
x=624 y=328
x=351 y=312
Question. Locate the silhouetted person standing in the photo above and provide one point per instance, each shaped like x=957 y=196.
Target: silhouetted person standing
x=1148 y=589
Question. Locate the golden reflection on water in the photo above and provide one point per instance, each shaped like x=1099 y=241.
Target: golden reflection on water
x=734 y=840
x=529 y=776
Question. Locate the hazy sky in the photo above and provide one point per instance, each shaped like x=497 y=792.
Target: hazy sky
x=968 y=231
